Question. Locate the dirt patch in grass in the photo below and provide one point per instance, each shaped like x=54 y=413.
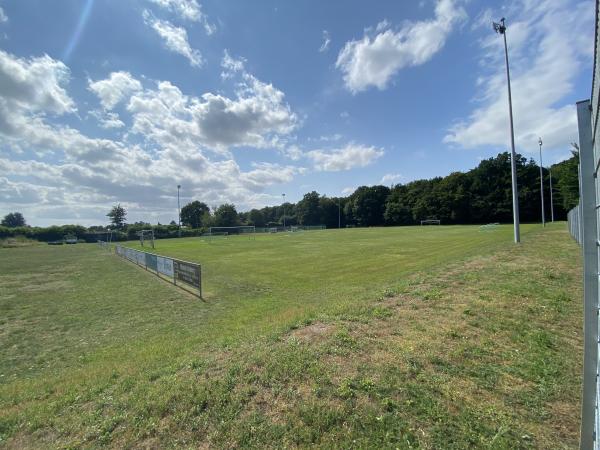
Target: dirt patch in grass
x=314 y=332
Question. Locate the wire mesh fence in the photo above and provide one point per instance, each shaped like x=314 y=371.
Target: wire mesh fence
x=574 y=224
x=583 y=223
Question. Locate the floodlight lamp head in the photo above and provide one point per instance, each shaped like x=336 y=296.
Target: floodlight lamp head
x=499 y=27
x=540 y=141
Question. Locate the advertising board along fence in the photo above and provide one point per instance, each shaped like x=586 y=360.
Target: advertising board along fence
x=181 y=273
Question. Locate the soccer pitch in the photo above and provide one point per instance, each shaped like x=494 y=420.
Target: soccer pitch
x=318 y=268
x=407 y=337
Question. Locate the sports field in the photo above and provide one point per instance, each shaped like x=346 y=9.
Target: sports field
x=408 y=337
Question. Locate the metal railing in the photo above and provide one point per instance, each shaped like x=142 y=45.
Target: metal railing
x=166 y=268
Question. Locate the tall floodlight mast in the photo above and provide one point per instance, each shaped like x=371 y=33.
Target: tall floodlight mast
x=542 y=183
x=178 y=212
x=500 y=28
x=283 y=196
x=551 y=199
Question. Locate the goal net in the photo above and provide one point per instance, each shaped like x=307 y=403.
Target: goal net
x=246 y=230
x=430 y=222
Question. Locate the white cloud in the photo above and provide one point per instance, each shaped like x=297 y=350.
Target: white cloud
x=115 y=88
x=348 y=190
x=3 y=18
x=230 y=65
x=175 y=38
x=293 y=152
x=326 y=138
x=107 y=119
x=351 y=156
x=326 y=42
x=188 y=10
x=390 y=178
x=374 y=60
x=256 y=117
x=34 y=85
x=546 y=58
x=266 y=174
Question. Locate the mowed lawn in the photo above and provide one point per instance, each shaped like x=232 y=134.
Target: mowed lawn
x=409 y=337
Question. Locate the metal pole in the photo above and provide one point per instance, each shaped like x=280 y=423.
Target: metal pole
x=542 y=184
x=339 y=212
x=588 y=230
x=178 y=211
x=283 y=195
x=501 y=28
x=551 y=199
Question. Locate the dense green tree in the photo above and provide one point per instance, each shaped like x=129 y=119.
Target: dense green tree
x=565 y=181
x=193 y=213
x=255 y=217
x=397 y=211
x=307 y=209
x=117 y=216
x=13 y=220
x=368 y=205
x=328 y=212
x=226 y=216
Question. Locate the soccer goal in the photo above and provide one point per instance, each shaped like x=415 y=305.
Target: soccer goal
x=146 y=236
x=431 y=222
x=247 y=230
x=104 y=239
x=489 y=227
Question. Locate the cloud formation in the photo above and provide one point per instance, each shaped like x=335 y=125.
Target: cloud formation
x=174 y=38
x=114 y=89
x=255 y=117
x=351 y=156
x=375 y=59
x=34 y=85
x=390 y=178
x=55 y=173
x=326 y=42
x=187 y=10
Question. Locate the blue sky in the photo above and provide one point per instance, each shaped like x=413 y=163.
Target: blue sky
x=106 y=101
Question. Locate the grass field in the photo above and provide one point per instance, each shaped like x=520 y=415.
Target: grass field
x=410 y=337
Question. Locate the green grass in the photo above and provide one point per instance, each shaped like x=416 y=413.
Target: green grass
x=413 y=337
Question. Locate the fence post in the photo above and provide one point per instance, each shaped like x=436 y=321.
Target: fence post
x=589 y=241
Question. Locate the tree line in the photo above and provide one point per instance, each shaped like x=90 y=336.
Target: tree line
x=480 y=195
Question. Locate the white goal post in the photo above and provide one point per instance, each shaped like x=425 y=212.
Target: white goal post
x=431 y=222
x=249 y=230
x=146 y=235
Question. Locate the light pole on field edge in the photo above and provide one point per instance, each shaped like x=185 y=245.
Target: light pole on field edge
x=339 y=213
x=542 y=183
x=500 y=28
x=283 y=196
x=178 y=211
x=551 y=199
